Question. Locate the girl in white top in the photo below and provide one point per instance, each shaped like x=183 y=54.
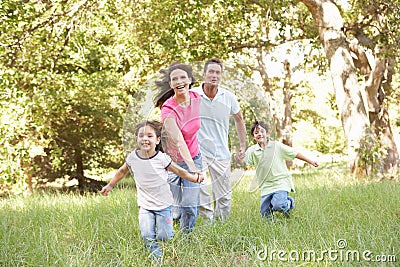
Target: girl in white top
x=149 y=166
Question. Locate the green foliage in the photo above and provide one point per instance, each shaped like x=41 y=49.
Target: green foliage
x=70 y=67
x=330 y=137
x=375 y=25
x=62 y=103
x=371 y=155
x=330 y=140
x=195 y=30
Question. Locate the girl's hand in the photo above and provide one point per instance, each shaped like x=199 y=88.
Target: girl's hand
x=199 y=177
x=104 y=191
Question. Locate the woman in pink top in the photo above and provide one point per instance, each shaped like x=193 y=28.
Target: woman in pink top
x=180 y=113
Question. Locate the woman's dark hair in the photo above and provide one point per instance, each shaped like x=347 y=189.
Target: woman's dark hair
x=257 y=124
x=156 y=125
x=165 y=91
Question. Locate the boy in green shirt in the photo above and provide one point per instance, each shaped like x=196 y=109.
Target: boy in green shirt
x=274 y=179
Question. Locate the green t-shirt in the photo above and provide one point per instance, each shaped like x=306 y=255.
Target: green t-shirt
x=271 y=170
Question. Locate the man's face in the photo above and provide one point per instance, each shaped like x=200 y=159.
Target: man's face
x=213 y=74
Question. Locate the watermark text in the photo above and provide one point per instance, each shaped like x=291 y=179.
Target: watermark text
x=340 y=254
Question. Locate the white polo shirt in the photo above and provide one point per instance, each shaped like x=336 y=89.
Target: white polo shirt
x=214 y=116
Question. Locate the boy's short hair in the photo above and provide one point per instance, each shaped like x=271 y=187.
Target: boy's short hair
x=257 y=124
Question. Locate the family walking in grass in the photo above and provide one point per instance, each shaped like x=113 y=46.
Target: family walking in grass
x=194 y=135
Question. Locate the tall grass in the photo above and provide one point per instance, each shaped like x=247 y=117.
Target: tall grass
x=338 y=221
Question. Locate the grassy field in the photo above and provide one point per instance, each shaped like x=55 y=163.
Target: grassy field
x=338 y=221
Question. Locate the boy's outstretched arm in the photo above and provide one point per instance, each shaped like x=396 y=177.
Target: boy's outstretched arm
x=122 y=171
x=304 y=158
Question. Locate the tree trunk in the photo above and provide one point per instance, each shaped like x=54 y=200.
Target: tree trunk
x=349 y=99
x=79 y=165
x=379 y=116
x=378 y=76
x=287 y=121
x=273 y=107
x=26 y=165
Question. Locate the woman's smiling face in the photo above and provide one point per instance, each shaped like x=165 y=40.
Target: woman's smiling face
x=179 y=81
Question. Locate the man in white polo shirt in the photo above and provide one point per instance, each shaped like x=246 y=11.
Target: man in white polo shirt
x=217 y=105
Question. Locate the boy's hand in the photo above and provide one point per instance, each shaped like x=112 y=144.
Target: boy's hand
x=314 y=163
x=240 y=154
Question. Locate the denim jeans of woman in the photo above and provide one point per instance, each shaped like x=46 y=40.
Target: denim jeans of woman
x=186 y=197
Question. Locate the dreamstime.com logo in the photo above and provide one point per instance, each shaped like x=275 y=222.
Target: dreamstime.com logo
x=340 y=254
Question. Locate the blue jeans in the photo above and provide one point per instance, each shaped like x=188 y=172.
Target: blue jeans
x=186 y=196
x=155 y=225
x=276 y=201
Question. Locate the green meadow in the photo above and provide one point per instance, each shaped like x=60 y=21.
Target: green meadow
x=338 y=221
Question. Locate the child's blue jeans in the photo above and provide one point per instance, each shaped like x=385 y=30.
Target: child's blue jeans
x=155 y=225
x=276 y=201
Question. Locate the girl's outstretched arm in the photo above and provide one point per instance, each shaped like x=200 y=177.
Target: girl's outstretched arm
x=196 y=177
x=122 y=171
